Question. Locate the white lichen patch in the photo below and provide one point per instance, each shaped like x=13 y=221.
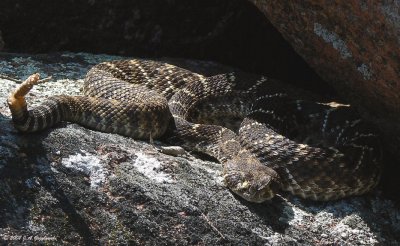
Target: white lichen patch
x=151 y=168
x=333 y=39
x=365 y=71
x=299 y=216
x=90 y=165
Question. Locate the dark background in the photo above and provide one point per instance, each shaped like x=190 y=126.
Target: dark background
x=232 y=32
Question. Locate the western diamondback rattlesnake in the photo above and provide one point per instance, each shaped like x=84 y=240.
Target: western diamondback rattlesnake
x=314 y=150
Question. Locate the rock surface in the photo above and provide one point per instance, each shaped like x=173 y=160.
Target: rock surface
x=77 y=186
x=353 y=45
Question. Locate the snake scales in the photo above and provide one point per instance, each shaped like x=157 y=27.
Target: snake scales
x=314 y=150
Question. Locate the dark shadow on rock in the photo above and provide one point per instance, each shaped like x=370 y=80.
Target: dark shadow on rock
x=275 y=213
x=2 y=119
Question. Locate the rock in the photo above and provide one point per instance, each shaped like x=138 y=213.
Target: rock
x=353 y=45
x=77 y=186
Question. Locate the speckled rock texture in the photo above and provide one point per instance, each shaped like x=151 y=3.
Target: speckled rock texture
x=74 y=186
x=353 y=45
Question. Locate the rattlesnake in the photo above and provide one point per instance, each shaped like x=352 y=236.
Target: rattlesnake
x=314 y=150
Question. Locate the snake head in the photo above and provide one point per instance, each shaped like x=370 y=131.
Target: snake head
x=250 y=179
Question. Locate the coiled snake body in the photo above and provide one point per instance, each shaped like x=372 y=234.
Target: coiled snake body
x=313 y=150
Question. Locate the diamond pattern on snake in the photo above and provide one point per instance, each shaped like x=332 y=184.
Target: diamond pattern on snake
x=267 y=139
